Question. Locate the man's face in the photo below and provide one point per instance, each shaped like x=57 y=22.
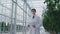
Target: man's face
x=33 y=12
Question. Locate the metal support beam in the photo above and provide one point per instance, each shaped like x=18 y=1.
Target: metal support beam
x=13 y=21
x=21 y=8
x=15 y=15
x=0 y=20
x=11 y=32
x=27 y=4
x=25 y=16
x=11 y=9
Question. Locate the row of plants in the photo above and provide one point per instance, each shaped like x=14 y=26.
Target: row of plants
x=6 y=27
x=51 y=18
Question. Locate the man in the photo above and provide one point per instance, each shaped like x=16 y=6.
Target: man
x=35 y=23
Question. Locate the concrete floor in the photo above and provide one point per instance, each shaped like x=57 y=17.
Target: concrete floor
x=42 y=31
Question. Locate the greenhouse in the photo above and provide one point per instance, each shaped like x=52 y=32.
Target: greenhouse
x=15 y=15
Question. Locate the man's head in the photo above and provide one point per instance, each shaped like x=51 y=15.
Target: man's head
x=33 y=11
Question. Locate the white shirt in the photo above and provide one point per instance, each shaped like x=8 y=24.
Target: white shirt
x=37 y=22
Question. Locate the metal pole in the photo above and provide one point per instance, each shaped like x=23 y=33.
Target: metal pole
x=0 y=19
x=15 y=17
x=11 y=18
x=23 y=22
x=25 y=15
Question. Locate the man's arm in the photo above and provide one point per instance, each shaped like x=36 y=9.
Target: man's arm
x=39 y=23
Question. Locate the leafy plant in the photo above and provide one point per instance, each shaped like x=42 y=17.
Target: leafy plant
x=51 y=18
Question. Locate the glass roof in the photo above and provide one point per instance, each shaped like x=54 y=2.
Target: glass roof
x=6 y=7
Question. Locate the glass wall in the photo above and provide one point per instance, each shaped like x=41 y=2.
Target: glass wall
x=14 y=16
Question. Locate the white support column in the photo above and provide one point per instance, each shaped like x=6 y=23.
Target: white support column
x=25 y=15
x=23 y=20
x=13 y=15
x=11 y=18
x=0 y=18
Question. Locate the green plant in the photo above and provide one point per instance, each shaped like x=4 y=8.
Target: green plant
x=51 y=18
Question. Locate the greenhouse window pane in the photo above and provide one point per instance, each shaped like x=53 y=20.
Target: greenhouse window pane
x=20 y=3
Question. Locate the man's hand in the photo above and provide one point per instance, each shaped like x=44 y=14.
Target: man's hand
x=33 y=26
x=28 y=25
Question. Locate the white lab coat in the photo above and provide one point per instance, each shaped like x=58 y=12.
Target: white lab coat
x=37 y=22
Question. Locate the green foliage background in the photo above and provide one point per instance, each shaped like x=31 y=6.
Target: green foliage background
x=7 y=27
x=51 y=18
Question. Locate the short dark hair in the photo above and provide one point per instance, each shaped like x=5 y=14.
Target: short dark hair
x=33 y=9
